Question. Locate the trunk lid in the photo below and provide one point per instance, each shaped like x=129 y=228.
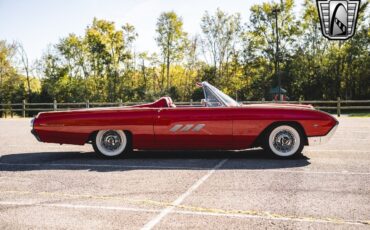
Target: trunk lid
x=280 y=106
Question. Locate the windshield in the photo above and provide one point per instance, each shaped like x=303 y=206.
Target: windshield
x=216 y=98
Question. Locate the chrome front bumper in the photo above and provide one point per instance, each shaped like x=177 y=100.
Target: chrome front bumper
x=322 y=139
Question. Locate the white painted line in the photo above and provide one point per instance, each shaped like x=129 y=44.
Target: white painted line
x=194 y=213
x=181 y=198
x=17 y=203
x=352 y=131
x=336 y=150
x=350 y=222
x=351 y=139
x=308 y=171
x=79 y=206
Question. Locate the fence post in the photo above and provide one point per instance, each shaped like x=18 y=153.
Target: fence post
x=24 y=108
x=120 y=103
x=55 y=105
x=5 y=111
x=299 y=101
x=191 y=101
x=11 y=110
x=87 y=104
x=338 y=106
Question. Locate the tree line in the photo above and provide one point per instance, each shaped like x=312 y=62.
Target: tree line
x=237 y=56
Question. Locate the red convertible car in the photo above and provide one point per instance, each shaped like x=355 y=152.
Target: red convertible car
x=218 y=123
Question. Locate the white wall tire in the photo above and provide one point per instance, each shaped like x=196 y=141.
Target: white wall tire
x=110 y=143
x=284 y=141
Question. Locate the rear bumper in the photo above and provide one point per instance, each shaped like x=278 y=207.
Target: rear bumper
x=318 y=140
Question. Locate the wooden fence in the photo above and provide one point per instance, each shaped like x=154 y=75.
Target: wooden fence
x=26 y=109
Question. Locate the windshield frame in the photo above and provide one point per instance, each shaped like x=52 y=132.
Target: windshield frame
x=224 y=99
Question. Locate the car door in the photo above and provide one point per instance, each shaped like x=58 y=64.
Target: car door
x=193 y=128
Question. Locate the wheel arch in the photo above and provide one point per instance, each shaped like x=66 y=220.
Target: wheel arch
x=259 y=140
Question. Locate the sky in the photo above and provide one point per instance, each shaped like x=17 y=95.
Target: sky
x=38 y=24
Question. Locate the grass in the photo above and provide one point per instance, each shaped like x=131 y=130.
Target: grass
x=359 y=115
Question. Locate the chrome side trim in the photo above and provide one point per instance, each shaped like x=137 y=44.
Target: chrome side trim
x=186 y=127
x=175 y=128
x=318 y=140
x=198 y=127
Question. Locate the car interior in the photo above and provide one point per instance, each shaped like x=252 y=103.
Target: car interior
x=163 y=102
x=213 y=98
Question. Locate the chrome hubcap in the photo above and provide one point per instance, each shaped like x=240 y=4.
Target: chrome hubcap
x=284 y=141
x=111 y=140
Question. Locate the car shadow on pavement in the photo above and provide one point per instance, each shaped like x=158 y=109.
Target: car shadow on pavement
x=148 y=160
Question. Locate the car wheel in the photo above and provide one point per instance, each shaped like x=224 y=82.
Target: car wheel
x=110 y=143
x=284 y=141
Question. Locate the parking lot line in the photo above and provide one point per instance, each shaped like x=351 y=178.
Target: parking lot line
x=336 y=150
x=202 y=212
x=181 y=198
x=307 y=171
x=78 y=206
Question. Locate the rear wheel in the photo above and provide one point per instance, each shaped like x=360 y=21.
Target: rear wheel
x=284 y=141
x=111 y=143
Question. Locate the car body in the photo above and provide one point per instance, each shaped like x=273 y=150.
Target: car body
x=219 y=123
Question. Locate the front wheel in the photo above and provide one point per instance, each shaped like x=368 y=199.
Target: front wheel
x=111 y=143
x=284 y=141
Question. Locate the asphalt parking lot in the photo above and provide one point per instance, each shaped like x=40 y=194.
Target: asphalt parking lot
x=68 y=187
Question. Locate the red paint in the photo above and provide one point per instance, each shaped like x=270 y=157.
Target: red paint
x=150 y=124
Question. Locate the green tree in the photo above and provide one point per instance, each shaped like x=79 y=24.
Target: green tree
x=238 y=57
x=171 y=40
x=107 y=50
x=11 y=83
x=260 y=43
x=221 y=34
x=97 y=66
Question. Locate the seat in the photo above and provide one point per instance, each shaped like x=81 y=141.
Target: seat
x=170 y=102
x=163 y=102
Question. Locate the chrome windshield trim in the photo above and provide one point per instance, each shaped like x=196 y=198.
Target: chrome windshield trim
x=216 y=92
x=208 y=86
